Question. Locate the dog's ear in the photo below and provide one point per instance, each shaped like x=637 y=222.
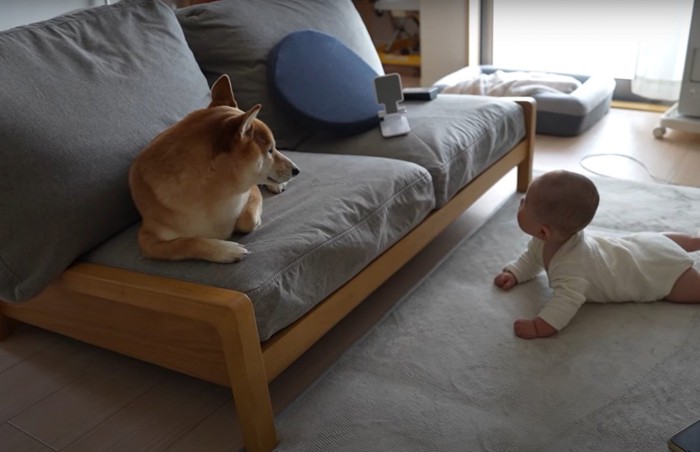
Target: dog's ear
x=237 y=129
x=222 y=93
x=246 y=129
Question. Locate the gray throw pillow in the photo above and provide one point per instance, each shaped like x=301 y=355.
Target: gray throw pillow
x=80 y=96
x=234 y=37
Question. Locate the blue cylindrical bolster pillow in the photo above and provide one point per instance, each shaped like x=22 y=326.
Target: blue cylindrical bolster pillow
x=324 y=83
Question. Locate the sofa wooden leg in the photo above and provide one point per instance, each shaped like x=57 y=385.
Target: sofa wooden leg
x=524 y=176
x=529 y=107
x=4 y=327
x=249 y=384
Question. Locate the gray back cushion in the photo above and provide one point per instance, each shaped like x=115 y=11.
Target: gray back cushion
x=234 y=37
x=80 y=96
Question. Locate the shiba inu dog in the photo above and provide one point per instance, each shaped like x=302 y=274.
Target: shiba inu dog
x=197 y=181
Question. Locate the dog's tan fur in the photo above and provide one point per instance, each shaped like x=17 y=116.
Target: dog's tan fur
x=197 y=181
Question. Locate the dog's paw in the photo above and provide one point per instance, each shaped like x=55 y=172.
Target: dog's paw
x=228 y=252
x=247 y=223
x=277 y=188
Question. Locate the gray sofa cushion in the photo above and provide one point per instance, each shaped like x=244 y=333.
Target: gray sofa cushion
x=307 y=246
x=234 y=37
x=455 y=137
x=80 y=96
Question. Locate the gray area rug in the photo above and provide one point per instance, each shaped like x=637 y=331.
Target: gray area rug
x=443 y=370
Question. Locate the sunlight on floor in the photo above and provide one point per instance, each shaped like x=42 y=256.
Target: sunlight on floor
x=620 y=166
x=622 y=145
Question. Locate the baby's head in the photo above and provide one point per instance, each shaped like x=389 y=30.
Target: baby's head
x=562 y=201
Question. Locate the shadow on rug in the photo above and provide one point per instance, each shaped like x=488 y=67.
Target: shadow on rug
x=443 y=370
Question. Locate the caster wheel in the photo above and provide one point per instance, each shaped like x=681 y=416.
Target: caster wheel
x=659 y=132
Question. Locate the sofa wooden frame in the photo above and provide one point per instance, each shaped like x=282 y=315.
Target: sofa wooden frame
x=210 y=333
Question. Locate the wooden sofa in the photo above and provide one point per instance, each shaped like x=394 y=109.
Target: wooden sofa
x=200 y=330
x=211 y=333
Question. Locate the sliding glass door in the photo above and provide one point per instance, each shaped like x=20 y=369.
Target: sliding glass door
x=612 y=37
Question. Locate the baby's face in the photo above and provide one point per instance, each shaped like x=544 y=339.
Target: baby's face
x=527 y=220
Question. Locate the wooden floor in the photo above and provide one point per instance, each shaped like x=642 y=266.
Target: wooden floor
x=59 y=394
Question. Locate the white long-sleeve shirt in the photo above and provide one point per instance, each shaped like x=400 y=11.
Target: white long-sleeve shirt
x=637 y=267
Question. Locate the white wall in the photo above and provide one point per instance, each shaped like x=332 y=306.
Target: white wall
x=20 y=12
x=448 y=37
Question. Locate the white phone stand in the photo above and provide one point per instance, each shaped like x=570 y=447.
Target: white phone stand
x=390 y=93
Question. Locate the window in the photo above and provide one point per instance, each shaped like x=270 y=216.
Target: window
x=608 y=37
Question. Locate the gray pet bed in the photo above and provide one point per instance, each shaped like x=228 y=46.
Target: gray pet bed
x=563 y=114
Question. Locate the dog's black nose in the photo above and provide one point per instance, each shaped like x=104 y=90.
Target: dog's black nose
x=295 y=171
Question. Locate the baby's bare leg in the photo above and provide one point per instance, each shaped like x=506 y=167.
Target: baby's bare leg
x=687 y=288
x=687 y=242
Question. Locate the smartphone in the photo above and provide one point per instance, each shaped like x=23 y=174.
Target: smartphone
x=427 y=93
x=687 y=440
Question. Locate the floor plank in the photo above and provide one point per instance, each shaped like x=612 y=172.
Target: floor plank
x=22 y=346
x=626 y=132
x=69 y=413
x=156 y=419
x=32 y=380
x=13 y=440
x=219 y=432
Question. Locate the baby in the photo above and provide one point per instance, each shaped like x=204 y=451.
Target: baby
x=584 y=267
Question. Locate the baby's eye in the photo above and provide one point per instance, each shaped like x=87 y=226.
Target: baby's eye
x=522 y=201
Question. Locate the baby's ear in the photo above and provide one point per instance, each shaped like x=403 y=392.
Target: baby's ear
x=545 y=233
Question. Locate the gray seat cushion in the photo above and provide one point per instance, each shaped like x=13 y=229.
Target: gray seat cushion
x=80 y=96
x=235 y=37
x=454 y=137
x=336 y=216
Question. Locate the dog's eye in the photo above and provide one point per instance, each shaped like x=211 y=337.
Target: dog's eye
x=269 y=151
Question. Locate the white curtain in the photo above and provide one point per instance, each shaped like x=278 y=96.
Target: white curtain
x=584 y=37
x=661 y=53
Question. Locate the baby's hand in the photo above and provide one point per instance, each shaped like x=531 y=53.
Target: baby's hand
x=505 y=280
x=531 y=329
